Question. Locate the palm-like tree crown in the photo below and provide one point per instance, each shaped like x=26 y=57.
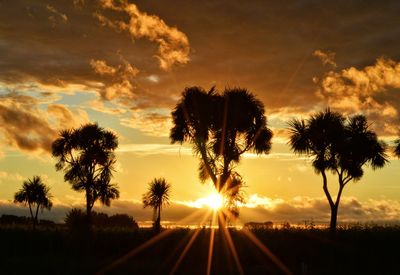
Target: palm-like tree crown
x=221 y=127
x=34 y=191
x=397 y=147
x=35 y=194
x=336 y=142
x=87 y=157
x=158 y=194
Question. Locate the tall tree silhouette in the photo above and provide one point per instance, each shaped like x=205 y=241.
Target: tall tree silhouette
x=87 y=157
x=36 y=195
x=397 y=148
x=156 y=197
x=340 y=145
x=221 y=128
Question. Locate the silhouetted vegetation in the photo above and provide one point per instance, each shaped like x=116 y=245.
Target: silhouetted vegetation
x=340 y=145
x=156 y=197
x=86 y=155
x=259 y=225
x=12 y=219
x=221 y=128
x=76 y=220
x=36 y=195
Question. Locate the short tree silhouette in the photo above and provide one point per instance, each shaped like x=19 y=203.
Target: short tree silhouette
x=339 y=145
x=87 y=157
x=221 y=128
x=157 y=196
x=36 y=195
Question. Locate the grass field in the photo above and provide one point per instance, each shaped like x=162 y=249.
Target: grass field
x=372 y=250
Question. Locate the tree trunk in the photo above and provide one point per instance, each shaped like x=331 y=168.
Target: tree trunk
x=204 y=157
x=335 y=208
x=157 y=224
x=36 y=216
x=332 y=225
x=33 y=219
x=88 y=209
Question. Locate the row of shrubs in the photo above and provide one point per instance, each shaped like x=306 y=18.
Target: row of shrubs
x=76 y=218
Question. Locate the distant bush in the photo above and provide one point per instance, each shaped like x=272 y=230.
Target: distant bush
x=47 y=223
x=76 y=218
x=12 y=219
x=286 y=225
x=259 y=225
x=122 y=220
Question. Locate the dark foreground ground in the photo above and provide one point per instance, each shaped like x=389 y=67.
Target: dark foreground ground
x=58 y=251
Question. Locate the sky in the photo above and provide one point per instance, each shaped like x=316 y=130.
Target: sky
x=124 y=65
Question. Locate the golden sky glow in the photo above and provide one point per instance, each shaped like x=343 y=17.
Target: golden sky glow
x=124 y=64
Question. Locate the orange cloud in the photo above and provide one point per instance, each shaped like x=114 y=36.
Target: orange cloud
x=173 y=45
x=151 y=123
x=327 y=58
x=369 y=90
x=28 y=128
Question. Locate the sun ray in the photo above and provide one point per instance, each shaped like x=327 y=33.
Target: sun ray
x=188 y=245
x=145 y=245
x=135 y=251
x=185 y=250
x=266 y=251
x=231 y=245
x=262 y=247
x=211 y=245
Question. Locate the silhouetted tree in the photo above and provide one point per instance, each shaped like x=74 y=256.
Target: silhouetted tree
x=339 y=145
x=156 y=197
x=221 y=128
x=397 y=147
x=87 y=157
x=36 y=195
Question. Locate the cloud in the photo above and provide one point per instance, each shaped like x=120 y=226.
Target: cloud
x=4 y=175
x=98 y=105
x=303 y=208
x=327 y=58
x=370 y=90
x=63 y=118
x=153 y=123
x=173 y=45
x=56 y=16
x=276 y=66
x=26 y=127
x=53 y=46
x=101 y=67
x=121 y=86
x=155 y=149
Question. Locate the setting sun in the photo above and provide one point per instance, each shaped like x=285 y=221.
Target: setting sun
x=215 y=201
